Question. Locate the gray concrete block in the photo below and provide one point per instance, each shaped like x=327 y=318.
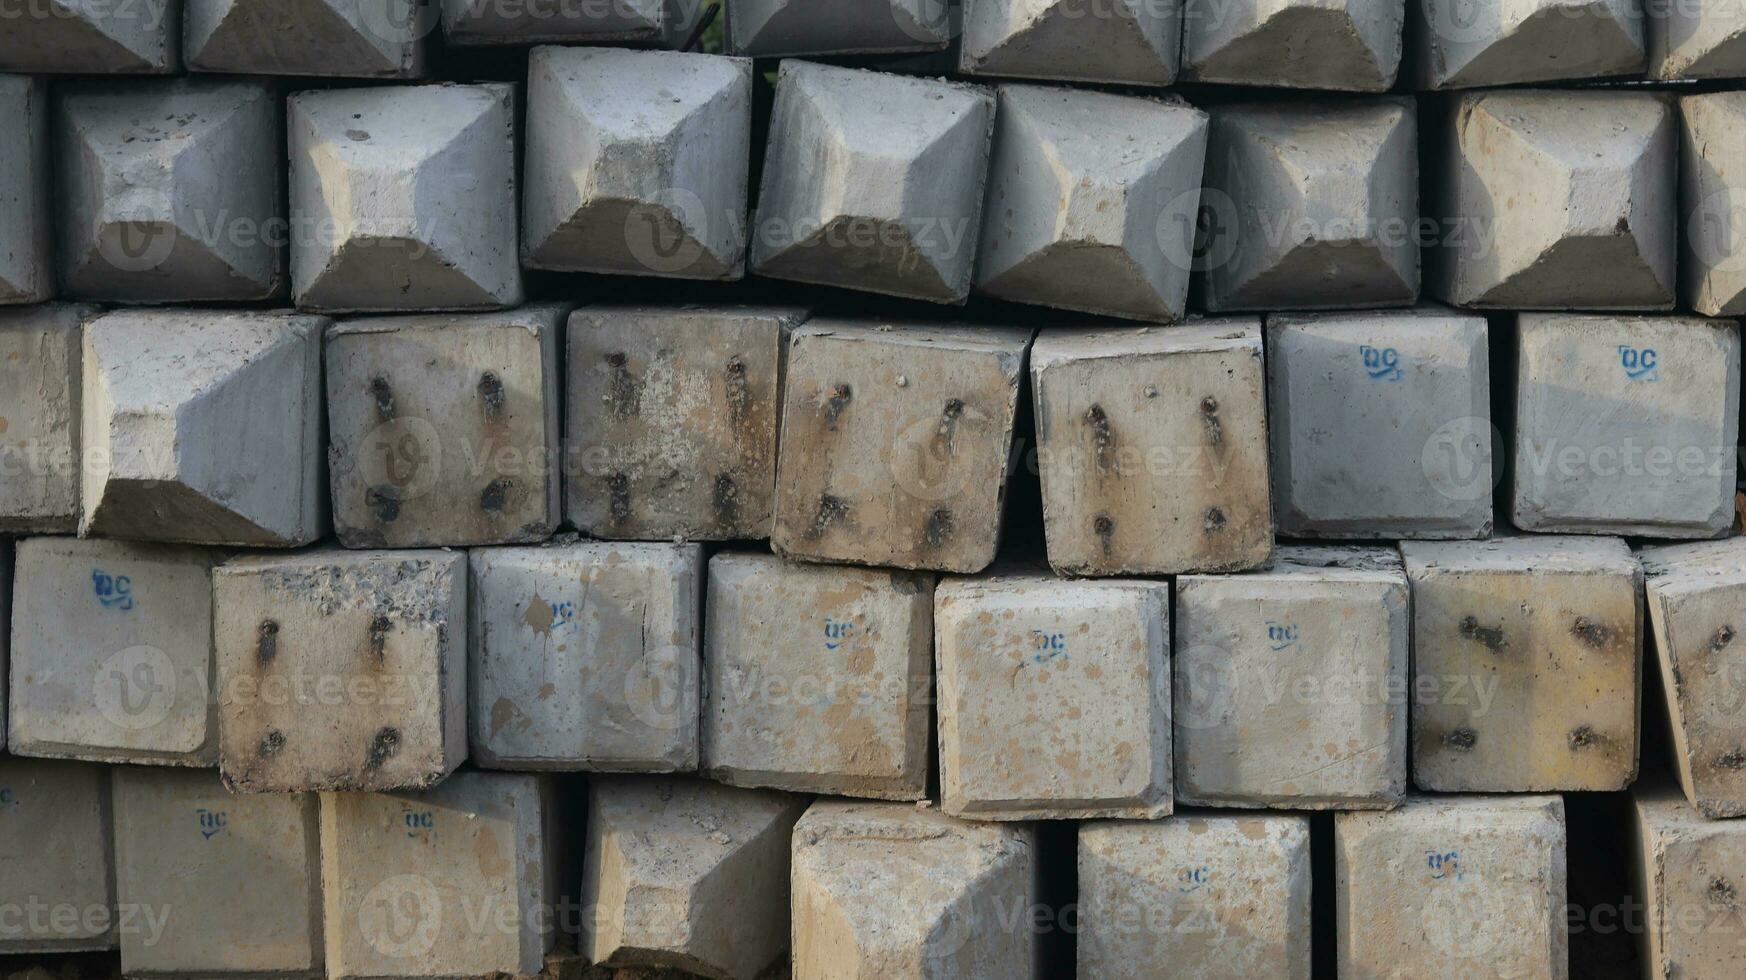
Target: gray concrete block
x=672 y=421
x=1092 y=204
x=1346 y=45
x=112 y=652
x=854 y=191
x=139 y=37
x=664 y=23
x=1132 y=42
x=1291 y=683
x=1712 y=198
x=1381 y=424
x=1019 y=660
x=686 y=875
x=895 y=443
x=1215 y=897
x=170 y=191
x=818 y=677
x=1626 y=425
x=239 y=875
x=1312 y=206
x=444 y=429
x=584 y=656
x=1527 y=663
x=456 y=881
x=372 y=39
x=406 y=198
x=791 y=28
x=341 y=670
x=1152 y=446
x=6 y=562
x=26 y=230
x=55 y=846
x=1695 y=40
x=202 y=427
x=637 y=162
x=1688 y=877
x=39 y=399
x=1474 y=885
x=1555 y=200
x=1515 y=42
x=890 y=890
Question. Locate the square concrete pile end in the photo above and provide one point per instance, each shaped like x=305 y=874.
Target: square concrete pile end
x=26 y=220
x=143 y=37
x=1353 y=45
x=372 y=39
x=1123 y=42
x=55 y=844
x=1513 y=42
x=790 y=28
x=1689 y=877
x=40 y=374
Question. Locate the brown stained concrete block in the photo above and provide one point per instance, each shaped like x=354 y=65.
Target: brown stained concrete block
x=26 y=204
x=819 y=677
x=1054 y=698
x=891 y=891
x=1551 y=627
x=1152 y=444
x=55 y=847
x=688 y=875
x=370 y=39
x=1690 y=872
x=895 y=443
x=138 y=37
x=40 y=449
x=672 y=421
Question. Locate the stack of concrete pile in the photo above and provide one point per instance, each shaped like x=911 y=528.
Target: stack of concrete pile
x=501 y=489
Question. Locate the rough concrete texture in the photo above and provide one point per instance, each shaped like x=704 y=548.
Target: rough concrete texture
x=409 y=194
x=893 y=891
x=666 y=23
x=1088 y=734
x=584 y=656
x=6 y=560
x=1626 y=425
x=55 y=847
x=68 y=36
x=789 y=28
x=444 y=429
x=372 y=39
x=687 y=875
x=456 y=881
x=1132 y=42
x=112 y=652
x=1215 y=897
x=1555 y=200
x=895 y=443
x=203 y=427
x=1514 y=42
x=1092 y=202
x=1504 y=631
x=239 y=875
x=39 y=399
x=1689 y=875
x=819 y=677
x=169 y=190
x=637 y=162
x=1381 y=424
x=1344 y=45
x=1291 y=683
x=26 y=229
x=1312 y=206
x=1696 y=40
x=1467 y=886
x=672 y=421
x=1712 y=260
x=1152 y=445
x=341 y=670
x=857 y=190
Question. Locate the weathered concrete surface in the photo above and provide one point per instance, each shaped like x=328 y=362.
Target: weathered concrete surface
x=239 y=877
x=1514 y=42
x=1092 y=202
x=55 y=847
x=637 y=162
x=667 y=23
x=672 y=421
x=6 y=561
x=341 y=670
x=66 y=36
x=1555 y=200
x=1527 y=659
x=1474 y=885
x=1291 y=683
x=584 y=656
x=1214 y=897
x=1695 y=40
x=406 y=197
x=1712 y=197
x=684 y=874
x=202 y=427
x=170 y=190
x=1626 y=425
x=889 y=890
x=1380 y=424
x=855 y=191
x=895 y=443
x=1152 y=445
x=1345 y=45
x=1689 y=874
x=39 y=399
x=26 y=216
x=790 y=28
x=112 y=652
x=456 y=881
x=374 y=39
x=1133 y=42
x=819 y=677
x=444 y=430
x=1312 y=206
x=1054 y=698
